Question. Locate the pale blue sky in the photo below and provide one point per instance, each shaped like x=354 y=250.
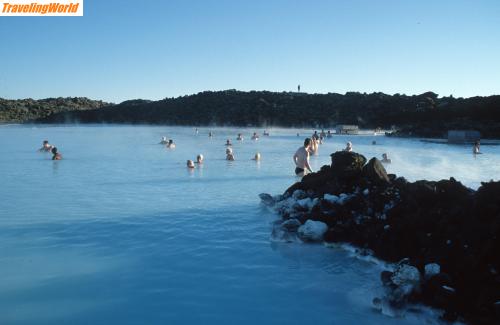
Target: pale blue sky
x=156 y=49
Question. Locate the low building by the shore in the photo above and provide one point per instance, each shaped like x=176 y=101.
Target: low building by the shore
x=346 y=129
x=463 y=136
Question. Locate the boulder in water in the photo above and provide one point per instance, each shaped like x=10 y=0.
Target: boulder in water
x=376 y=172
x=312 y=230
x=347 y=164
x=267 y=199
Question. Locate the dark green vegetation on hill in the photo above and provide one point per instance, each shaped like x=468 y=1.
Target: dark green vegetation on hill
x=417 y=115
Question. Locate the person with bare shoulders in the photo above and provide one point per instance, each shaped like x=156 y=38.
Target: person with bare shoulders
x=199 y=159
x=240 y=137
x=256 y=157
x=301 y=159
x=190 y=164
x=385 y=159
x=171 y=144
x=475 y=149
x=348 y=147
x=55 y=155
x=314 y=146
x=229 y=154
x=255 y=136
x=46 y=146
x=228 y=143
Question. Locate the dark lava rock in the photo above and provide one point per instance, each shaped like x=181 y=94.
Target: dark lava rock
x=347 y=164
x=440 y=222
x=375 y=172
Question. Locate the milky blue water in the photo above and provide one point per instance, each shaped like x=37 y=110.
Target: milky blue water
x=120 y=232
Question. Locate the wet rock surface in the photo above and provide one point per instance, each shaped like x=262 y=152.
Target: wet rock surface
x=443 y=236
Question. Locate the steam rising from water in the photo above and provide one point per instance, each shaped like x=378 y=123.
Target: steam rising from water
x=119 y=231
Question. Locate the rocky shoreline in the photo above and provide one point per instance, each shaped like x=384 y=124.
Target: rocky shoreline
x=443 y=236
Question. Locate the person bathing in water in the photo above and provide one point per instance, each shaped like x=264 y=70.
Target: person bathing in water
x=240 y=137
x=301 y=159
x=229 y=154
x=190 y=164
x=256 y=157
x=255 y=136
x=313 y=148
x=199 y=159
x=348 y=147
x=55 y=155
x=475 y=149
x=46 y=146
x=385 y=160
x=171 y=144
x=163 y=140
x=228 y=143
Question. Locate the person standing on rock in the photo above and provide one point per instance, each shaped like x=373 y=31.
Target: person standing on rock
x=301 y=159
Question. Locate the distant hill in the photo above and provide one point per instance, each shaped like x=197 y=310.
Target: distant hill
x=417 y=115
x=28 y=110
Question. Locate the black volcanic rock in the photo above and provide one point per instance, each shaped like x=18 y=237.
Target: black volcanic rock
x=430 y=225
x=347 y=164
x=375 y=172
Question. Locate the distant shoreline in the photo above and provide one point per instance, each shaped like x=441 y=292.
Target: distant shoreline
x=425 y=115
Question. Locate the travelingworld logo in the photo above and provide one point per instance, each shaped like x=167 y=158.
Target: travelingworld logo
x=41 y=8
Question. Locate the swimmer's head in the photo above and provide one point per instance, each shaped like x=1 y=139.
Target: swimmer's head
x=170 y=141
x=384 y=155
x=45 y=142
x=190 y=164
x=349 y=144
x=199 y=158
x=307 y=142
x=257 y=156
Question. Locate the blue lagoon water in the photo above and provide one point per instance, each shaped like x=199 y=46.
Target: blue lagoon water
x=120 y=232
